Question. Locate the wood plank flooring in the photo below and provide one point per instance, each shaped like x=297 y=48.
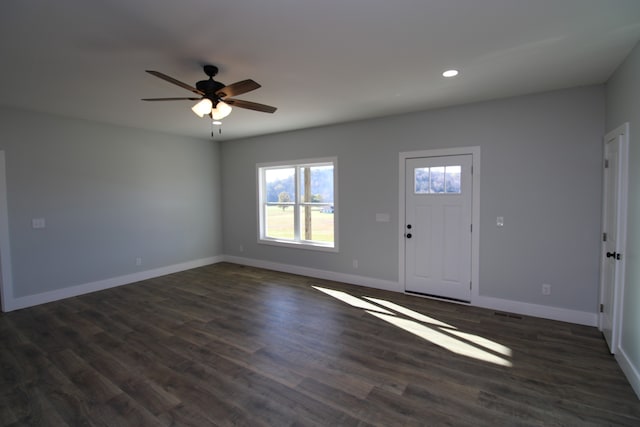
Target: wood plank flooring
x=232 y=345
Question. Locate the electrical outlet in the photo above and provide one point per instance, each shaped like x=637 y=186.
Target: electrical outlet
x=138 y=261
x=546 y=289
x=241 y=248
x=355 y=263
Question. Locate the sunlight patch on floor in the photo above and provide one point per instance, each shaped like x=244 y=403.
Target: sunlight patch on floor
x=443 y=340
x=432 y=330
x=351 y=300
x=410 y=313
x=484 y=342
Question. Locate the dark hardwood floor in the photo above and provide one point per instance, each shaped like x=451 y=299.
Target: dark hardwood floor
x=233 y=345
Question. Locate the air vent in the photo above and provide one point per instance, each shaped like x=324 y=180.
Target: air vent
x=509 y=315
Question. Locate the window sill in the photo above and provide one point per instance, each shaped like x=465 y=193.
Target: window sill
x=299 y=245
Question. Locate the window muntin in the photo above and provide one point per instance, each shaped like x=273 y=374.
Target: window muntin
x=437 y=180
x=297 y=204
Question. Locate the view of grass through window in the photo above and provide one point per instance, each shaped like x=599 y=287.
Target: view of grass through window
x=280 y=223
x=298 y=203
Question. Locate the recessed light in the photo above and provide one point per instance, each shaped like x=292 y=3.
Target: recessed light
x=450 y=73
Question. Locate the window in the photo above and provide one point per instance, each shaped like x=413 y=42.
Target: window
x=297 y=204
x=437 y=180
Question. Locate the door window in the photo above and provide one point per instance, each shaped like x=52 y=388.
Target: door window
x=437 y=180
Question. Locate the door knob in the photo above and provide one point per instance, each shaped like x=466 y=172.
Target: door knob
x=408 y=235
x=409 y=226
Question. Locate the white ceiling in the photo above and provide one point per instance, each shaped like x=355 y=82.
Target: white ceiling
x=319 y=61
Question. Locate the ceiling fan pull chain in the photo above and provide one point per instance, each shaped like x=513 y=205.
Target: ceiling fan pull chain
x=216 y=123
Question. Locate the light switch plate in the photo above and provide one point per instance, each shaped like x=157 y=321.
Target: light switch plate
x=38 y=223
x=500 y=221
x=383 y=217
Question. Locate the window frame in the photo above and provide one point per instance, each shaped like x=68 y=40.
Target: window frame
x=298 y=241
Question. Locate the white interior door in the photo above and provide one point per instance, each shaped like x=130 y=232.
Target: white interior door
x=438 y=226
x=613 y=235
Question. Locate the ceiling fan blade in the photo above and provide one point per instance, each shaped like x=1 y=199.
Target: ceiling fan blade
x=238 y=88
x=250 y=105
x=175 y=82
x=170 y=99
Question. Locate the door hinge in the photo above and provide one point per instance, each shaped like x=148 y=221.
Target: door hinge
x=601 y=308
x=604 y=237
x=471 y=228
x=470 y=286
x=471 y=169
x=606 y=163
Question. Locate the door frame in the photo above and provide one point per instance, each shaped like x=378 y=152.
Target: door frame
x=475 y=209
x=621 y=234
x=6 y=284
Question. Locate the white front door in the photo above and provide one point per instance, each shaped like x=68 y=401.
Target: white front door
x=438 y=226
x=613 y=234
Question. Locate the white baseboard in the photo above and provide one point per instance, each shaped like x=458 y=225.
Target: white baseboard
x=352 y=279
x=525 y=309
x=45 y=297
x=553 y=313
x=630 y=371
x=536 y=310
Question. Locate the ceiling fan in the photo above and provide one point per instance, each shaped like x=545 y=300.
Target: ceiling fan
x=213 y=95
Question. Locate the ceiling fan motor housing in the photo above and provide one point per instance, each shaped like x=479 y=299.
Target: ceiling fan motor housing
x=210 y=87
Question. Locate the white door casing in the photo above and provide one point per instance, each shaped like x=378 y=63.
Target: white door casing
x=6 y=292
x=614 y=205
x=438 y=227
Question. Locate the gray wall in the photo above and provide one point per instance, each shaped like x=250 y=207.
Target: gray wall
x=623 y=105
x=108 y=195
x=541 y=158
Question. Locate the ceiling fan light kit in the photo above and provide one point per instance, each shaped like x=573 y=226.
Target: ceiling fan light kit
x=203 y=107
x=213 y=101
x=221 y=111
